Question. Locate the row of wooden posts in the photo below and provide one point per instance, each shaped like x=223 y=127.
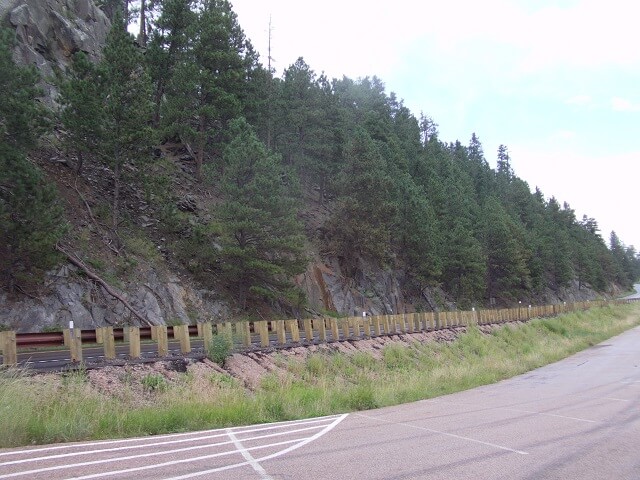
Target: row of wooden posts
x=317 y=330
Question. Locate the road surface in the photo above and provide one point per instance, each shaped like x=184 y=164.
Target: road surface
x=576 y=419
x=635 y=295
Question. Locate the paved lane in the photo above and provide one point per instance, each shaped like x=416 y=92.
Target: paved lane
x=579 y=418
x=635 y=295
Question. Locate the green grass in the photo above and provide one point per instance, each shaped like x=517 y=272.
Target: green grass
x=49 y=408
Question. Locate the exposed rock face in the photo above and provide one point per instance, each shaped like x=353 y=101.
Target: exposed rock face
x=372 y=290
x=160 y=300
x=50 y=32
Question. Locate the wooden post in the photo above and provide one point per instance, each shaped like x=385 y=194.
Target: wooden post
x=390 y=324
x=355 y=326
x=100 y=335
x=9 y=348
x=246 y=333
x=75 y=345
x=134 y=342
x=335 y=329
x=346 y=331
x=386 y=324
x=308 y=330
x=376 y=325
x=263 y=329
x=185 y=341
x=206 y=332
x=407 y=319
x=109 y=344
x=294 y=330
x=162 y=337
x=366 y=324
x=318 y=324
x=282 y=333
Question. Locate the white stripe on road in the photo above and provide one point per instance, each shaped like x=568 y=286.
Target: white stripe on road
x=551 y=415
x=145 y=455
x=439 y=432
x=196 y=435
x=248 y=457
x=326 y=430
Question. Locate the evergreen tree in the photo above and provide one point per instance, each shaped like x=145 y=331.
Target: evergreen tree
x=126 y=109
x=365 y=212
x=81 y=113
x=262 y=242
x=30 y=216
x=206 y=86
x=507 y=257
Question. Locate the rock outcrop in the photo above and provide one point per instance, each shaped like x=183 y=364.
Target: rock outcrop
x=50 y=32
x=160 y=298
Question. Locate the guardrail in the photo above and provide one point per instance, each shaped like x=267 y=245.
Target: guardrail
x=272 y=333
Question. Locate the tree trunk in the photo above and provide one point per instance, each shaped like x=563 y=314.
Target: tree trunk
x=116 y=192
x=201 y=144
x=80 y=163
x=142 y=37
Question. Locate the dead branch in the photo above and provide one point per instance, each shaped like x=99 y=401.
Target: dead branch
x=93 y=276
x=98 y=225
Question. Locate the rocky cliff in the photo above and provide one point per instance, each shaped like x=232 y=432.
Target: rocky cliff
x=49 y=32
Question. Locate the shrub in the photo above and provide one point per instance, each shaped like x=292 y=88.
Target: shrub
x=219 y=348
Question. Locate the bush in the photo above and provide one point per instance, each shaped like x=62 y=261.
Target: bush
x=219 y=348
x=154 y=383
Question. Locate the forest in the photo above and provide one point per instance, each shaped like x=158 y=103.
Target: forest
x=267 y=146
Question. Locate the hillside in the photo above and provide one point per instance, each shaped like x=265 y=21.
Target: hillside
x=178 y=179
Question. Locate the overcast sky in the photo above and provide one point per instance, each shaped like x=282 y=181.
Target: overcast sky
x=556 y=81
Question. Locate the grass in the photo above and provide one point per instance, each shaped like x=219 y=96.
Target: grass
x=48 y=408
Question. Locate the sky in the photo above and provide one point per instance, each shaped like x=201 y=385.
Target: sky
x=556 y=81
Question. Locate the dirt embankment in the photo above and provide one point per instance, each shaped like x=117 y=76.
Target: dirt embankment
x=248 y=368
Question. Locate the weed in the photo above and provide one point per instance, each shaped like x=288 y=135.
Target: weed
x=219 y=348
x=154 y=382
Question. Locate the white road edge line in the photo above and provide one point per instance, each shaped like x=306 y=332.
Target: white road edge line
x=326 y=430
x=153 y=438
x=248 y=457
x=146 y=455
x=460 y=437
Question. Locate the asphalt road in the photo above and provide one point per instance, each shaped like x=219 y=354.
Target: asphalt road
x=576 y=419
x=635 y=295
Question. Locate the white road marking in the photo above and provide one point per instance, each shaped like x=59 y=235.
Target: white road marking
x=439 y=432
x=326 y=430
x=616 y=399
x=311 y=424
x=146 y=455
x=552 y=415
x=196 y=435
x=176 y=462
x=248 y=457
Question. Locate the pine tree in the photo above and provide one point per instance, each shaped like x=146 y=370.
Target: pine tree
x=30 y=216
x=206 y=86
x=262 y=241
x=126 y=109
x=81 y=112
x=365 y=211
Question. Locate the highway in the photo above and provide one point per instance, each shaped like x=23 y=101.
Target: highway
x=576 y=419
